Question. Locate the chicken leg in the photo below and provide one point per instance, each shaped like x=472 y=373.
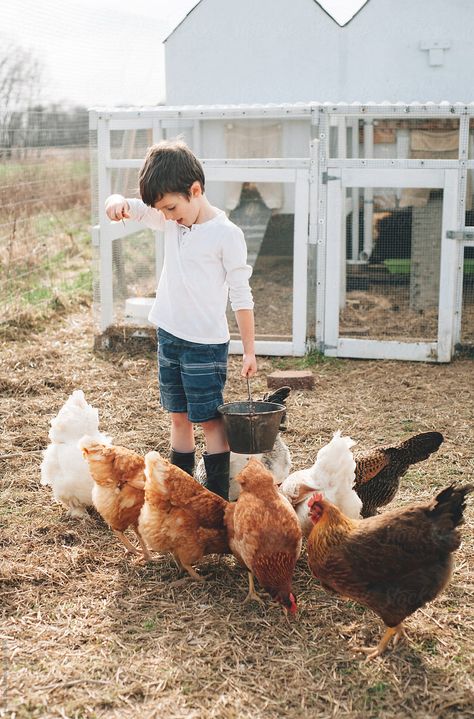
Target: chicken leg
x=129 y=546
x=189 y=569
x=252 y=592
x=146 y=551
x=391 y=632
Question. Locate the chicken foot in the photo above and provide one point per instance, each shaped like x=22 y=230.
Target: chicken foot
x=189 y=569
x=252 y=594
x=395 y=633
x=145 y=550
x=129 y=546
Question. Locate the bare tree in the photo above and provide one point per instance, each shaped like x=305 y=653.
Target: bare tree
x=20 y=86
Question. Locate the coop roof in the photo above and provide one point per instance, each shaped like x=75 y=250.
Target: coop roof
x=336 y=9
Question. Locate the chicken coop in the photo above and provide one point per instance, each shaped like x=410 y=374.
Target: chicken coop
x=358 y=219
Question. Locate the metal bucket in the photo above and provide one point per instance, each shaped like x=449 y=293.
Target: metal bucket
x=251 y=427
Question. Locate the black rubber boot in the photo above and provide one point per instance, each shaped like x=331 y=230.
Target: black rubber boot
x=217 y=471
x=183 y=460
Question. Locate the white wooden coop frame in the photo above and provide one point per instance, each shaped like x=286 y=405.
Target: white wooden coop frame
x=321 y=205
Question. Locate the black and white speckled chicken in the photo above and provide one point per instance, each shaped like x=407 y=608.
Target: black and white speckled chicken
x=277 y=461
x=378 y=470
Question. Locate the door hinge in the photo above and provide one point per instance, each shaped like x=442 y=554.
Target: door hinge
x=460 y=235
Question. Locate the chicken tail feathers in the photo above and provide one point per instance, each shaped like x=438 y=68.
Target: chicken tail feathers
x=420 y=446
x=280 y=395
x=156 y=471
x=449 y=505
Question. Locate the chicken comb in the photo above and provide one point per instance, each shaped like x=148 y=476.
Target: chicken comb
x=315 y=498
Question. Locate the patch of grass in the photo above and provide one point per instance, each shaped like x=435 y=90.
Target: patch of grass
x=430 y=646
x=377 y=690
x=311 y=359
x=58 y=277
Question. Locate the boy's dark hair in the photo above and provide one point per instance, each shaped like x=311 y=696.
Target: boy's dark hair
x=169 y=166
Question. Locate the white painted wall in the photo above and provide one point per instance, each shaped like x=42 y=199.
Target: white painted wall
x=247 y=51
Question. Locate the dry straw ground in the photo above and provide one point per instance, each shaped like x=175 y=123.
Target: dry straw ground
x=85 y=633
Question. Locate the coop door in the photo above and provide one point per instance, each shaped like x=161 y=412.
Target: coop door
x=390 y=269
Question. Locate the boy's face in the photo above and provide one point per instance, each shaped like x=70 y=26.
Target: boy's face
x=181 y=209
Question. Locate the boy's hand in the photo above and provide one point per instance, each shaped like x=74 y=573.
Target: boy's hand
x=249 y=365
x=117 y=208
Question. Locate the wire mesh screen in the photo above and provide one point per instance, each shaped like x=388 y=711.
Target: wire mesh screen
x=467 y=317
x=395 y=293
x=45 y=200
x=134 y=274
x=466 y=337
x=269 y=238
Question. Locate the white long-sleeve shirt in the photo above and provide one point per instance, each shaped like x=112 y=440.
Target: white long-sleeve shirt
x=204 y=265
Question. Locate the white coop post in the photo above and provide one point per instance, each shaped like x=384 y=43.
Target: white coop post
x=105 y=235
x=300 y=262
x=466 y=151
x=449 y=267
x=355 y=194
x=335 y=204
x=313 y=227
x=342 y=153
x=368 y=192
x=197 y=142
x=402 y=149
x=157 y=135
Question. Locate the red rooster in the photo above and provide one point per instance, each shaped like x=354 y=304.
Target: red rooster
x=393 y=563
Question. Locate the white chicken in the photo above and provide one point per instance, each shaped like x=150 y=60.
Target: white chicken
x=63 y=467
x=277 y=461
x=333 y=474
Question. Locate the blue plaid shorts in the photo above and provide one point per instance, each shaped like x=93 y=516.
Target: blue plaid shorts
x=191 y=376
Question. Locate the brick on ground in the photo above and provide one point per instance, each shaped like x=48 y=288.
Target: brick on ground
x=296 y=379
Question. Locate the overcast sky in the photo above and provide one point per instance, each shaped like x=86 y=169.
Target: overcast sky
x=104 y=52
x=96 y=52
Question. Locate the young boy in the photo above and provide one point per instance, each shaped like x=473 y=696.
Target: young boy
x=205 y=261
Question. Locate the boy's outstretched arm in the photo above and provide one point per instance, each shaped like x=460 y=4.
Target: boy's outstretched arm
x=245 y=321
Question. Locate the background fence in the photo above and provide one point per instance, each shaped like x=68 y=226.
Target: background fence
x=45 y=201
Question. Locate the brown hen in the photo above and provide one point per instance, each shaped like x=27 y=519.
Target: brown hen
x=393 y=563
x=264 y=534
x=378 y=470
x=119 y=488
x=180 y=515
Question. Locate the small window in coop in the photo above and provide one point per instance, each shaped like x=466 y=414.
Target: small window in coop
x=387 y=139
x=130 y=144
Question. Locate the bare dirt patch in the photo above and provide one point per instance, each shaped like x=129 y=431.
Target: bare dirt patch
x=87 y=634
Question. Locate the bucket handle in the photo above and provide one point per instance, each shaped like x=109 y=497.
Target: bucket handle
x=250 y=396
